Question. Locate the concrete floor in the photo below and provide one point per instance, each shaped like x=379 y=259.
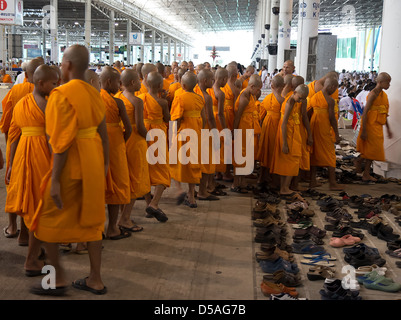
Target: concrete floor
x=205 y=253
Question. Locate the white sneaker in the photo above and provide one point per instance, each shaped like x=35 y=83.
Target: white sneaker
x=284 y=296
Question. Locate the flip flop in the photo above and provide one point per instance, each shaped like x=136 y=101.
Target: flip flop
x=33 y=273
x=9 y=235
x=58 y=291
x=134 y=228
x=180 y=199
x=218 y=192
x=81 y=285
x=238 y=190
x=157 y=213
x=191 y=205
x=123 y=234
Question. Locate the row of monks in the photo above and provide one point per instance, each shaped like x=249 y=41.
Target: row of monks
x=77 y=141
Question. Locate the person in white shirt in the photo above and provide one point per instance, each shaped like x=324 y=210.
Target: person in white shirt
x=21 y=76
x=98 y=69
x=345 y=105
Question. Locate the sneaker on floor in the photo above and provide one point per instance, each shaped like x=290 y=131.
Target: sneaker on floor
x=284 y=296
x=333 y=290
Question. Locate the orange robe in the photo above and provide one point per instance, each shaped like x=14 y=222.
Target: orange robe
x=118 y=187
x=323 y=151
x=142 y=90
x=210 y=167
x=136 y=147
x=31 y=160
x=71 y=122
x=166 y=84
x=229 y=106
x=288 y=164
x=187 y=107
x=159 y=173
x=172 y=89
x=170 y=78
x=249 y=120
x=373 y=147
x=271 y=108
x=245 y=84
x=7 y=79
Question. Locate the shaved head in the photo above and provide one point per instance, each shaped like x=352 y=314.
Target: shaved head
x=255 y=80
x=296 y=81
x=277 y=82
x=160 y=67
x=45 y=73
x=139 y=69
x=109 y=73
x=302 y=90
x=189 y=81
x=383 y=76
x=154 y=79
x=128 y=76
x=32 y=66
x=232 y=70
x=221 y=73
x=205 y=74
x=331 y=82
x=288 y=67
x=288 y=79
x=78 y=56
x=148 y=68
x=181 y=72
x=92 y=78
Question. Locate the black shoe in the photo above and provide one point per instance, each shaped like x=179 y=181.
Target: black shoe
x=334 y=291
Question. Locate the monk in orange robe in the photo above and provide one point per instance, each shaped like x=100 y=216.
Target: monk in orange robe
x=246 y=117
x=370 y=142
x=16 y=93
x=156 y=114
x=118 y=67
x=162 y=70
x=288 y=149
x=323 y=120
x=136 y=149
x=169 y=75
x=186 y=110
x=199 y=68
x=208 y=168
x=28 y=137
x=175 y=86
x=6 y=78
x=72 y=207
x=118 y=191
x=270 y=113
x=218 y=98
x=244 y=79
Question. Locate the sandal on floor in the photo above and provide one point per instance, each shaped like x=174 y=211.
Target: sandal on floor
x=238 y=190
x=123 y=234
x=218 y=192
x=81 y=285
x=134 y=228
x=320 y=273
x=318 y=262
x=209 y=198
x=189 y=204
x=9 y=235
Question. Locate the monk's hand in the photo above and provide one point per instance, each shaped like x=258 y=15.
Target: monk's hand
x=338 y=139
x=55 y=193
x=163 y=94
x=285 y=149
x=8 y=175
x=310 y=141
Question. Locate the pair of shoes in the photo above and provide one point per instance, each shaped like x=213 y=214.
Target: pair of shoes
x=375 y=281
x=284 y=296
x=364 y=270
x=320 y=273
x=157 y=213
x=123 y=234
x=307 y=247
x=333 y=290
x=10 y=235
x=279 y=264
x=319 y=260
x=344 y=230
x=269 y=288
x=347 y=240
x=283 y=277
x=362 y=255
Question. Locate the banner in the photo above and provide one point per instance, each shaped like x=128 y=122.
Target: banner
x=136 y=38
x=11 y=12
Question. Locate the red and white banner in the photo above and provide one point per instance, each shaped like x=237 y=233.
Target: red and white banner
x=11 y=12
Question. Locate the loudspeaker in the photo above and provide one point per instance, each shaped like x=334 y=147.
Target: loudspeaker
x=267 y=26
x=276 y=10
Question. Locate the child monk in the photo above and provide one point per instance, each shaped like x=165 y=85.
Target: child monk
x=71 y=209
x=186 y=111
x=219 y=97
x=16 y=93
x=270 y=113
x=136 y=149
x=118 y=189
x=156 y=115
x=246 y=118
x=323 y=120
x=287 y=151
x=370 y=141
x=244 y=79
x=175 y=86
x=29 y=158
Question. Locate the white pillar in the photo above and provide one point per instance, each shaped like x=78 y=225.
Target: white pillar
x=308 y=27
x=273 y=36
x=88 y=24
x=153 y=45
x=112 y=30
x=284 y=32
x=261 y=31
x=266 y=30
x=372 y=57
x=389 y=53
x=162 y=48
x=3 y=44
x=53 y=31
x=169 y=51
x=142 y=54
x=175 y=50
x=129 y=47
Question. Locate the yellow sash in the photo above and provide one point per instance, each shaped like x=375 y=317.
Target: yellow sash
x=33 y=131
x=192 y=114
x=154 y=121
x=87 y=133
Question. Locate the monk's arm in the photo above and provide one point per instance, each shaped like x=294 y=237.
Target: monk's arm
x=333 y=120
x=288 y=109
x=13 y=149
x=140 y=125
x=209 y=112
x=59 y=160
x=243 y=102
x=305 y=121
x=371 y=98
x=102 y=130
x=166 y=111
x=125 y=119
x=221 y=98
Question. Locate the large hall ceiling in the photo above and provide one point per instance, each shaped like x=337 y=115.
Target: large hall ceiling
x=184 y=19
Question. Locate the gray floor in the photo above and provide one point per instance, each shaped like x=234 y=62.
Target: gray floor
x=205 y=253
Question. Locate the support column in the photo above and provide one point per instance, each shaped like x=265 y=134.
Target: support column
x=129 y=47
x=142 y=54
x=112 y=30
x=262 y=28
x=169 y=51
x=53 y=31
x=3 y=44
x=88 y=24
x=175 y=50
x=153 y=45
x=273 y=37
x=266 y=28
x=308 y=27
x=372 y=57
x=284 y=33
x=390 y=52
x=162 y=48
x=44 y=43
